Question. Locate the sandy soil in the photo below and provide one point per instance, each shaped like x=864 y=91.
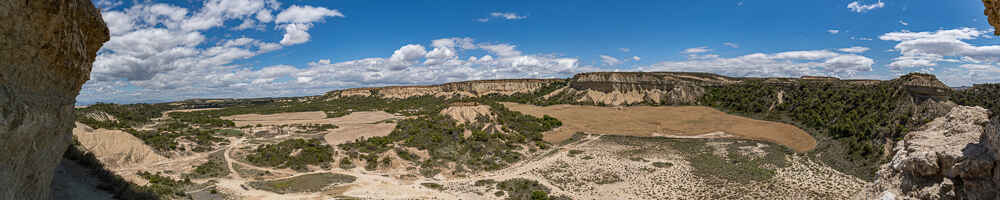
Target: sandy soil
x=664 y=121
x=359 y=124
x=350 y=132
x=602 y=172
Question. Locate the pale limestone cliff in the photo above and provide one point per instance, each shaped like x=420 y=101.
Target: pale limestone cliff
x=953 y=157
x=46 y=51
x=625 y=88
x=464 y=89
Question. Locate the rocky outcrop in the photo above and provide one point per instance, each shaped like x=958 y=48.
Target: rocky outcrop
x=464 y=89
x=924 y=86
x=46 y=51
x=953 y=157
x=992 y=13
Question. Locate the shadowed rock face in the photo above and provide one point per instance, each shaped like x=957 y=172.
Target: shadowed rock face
x=46 y=51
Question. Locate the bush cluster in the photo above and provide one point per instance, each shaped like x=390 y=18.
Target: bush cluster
x=983 y=95
x=126 y=115
x=308 y=152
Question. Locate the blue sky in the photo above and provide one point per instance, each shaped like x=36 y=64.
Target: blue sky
x=175 y=50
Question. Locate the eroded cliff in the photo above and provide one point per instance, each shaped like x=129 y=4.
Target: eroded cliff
x=622 y=88
x=46 y=51
x=953 y=157
x=463 y=89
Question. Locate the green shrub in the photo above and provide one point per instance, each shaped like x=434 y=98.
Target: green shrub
x=983 y=95
x=574 y=152
x=126 y=115
x=433 y=186
x=164 y=186
x=663 y=164
x=345 y=163
x=519 y=188
x=304 y=183
x=310 y=152
x=215 y=167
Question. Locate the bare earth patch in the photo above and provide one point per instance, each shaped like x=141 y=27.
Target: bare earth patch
x=616 y=167
x=664 y=121
x=359 y=124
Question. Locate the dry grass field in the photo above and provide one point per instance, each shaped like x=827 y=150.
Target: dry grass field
x=664 y=121
x=360 y=125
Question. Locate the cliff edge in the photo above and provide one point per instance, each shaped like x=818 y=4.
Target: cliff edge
x=953 y=157
x=47 y=48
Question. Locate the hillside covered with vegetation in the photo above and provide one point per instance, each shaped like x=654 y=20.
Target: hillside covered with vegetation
x=983 y=95
x=854 y=122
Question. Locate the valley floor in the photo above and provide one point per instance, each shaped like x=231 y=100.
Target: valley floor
x=706 y=160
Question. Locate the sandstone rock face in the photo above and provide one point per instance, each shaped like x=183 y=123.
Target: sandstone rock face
x=46 y=51
x=954 y=157
x=992 y=11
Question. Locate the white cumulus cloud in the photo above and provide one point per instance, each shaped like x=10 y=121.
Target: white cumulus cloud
x=859 y=7
x=502 y=15
x=157 y=47
x=210 y=72
x=854 y=49
x=926 y=49
x=781 y=64
x=610 y=61
x=696 y=50
x=295 y=34
x=305 y=14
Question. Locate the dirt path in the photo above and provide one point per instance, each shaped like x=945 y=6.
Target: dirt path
x=229 y=161
x=523 y=168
